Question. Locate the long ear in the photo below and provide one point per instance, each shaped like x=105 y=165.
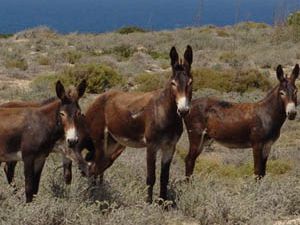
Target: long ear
x=295 y=72
x=279 y=73
x=174 y=56
x=60 y=90
x=188 y=55
x=81 y=88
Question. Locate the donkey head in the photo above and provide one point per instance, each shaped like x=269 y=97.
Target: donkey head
x=288 y=91
x=181 y=80
x=70 y=111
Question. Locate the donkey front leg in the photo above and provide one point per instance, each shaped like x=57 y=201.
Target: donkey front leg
x=67 y=166
x=38 y=167
x=9 y=170
x=166 y=159
x=197 y=141
x=151 y=160
x=29 y=178
x=260 y=155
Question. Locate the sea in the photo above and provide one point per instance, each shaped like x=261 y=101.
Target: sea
x=97 y=16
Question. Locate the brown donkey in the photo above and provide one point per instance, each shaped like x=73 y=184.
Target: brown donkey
x=67 y=155
x=29 y=134
x=242 y=125
x=152 y=120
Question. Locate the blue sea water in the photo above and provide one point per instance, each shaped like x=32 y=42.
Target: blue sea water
x=105 y=15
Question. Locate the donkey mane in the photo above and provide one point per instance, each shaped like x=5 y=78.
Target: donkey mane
x=49 y=100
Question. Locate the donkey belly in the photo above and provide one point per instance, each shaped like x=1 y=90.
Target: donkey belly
x=130 y=142
x=13 y=156
x=234 y=144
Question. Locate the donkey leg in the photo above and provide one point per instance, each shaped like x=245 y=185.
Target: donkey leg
x=197 y=141
x=9 y=170
x=38 y=167
x=259 y=166
x=151 y=160
x=67 y=167
x=29 y=178
x=166 y=159
x=266 y=151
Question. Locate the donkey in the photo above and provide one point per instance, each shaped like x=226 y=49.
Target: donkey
x=242 y=125
x=153 y=120
x=29 y=134
x=67 y=156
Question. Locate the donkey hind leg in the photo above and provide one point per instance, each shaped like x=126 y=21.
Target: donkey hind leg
x=9 y=169
x=151 y=160
x=166 y=159
x=67 y=168
x=197 y=141
x=260 y=155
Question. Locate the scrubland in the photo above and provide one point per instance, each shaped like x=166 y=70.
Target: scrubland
x=235 y=63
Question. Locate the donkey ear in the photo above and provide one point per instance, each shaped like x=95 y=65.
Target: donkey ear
x=81 y=88
x=60 y=90
x=188 y=55
x=295 y=72
x=279 y=73
x=174 y=56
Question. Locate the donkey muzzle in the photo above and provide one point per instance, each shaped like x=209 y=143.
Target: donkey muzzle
x=183 y=106
x=72 y=142
x=291 y=111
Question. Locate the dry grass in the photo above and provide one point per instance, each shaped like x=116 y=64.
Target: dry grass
x=222 y=190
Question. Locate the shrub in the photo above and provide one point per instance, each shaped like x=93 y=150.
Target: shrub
x=99 y=77
x=6 y=35
x=43 y=60
x=158 y=55
x=123 y=51
x=150 y=81
x=130 y=29
x=230 y=80
x=293 y=20
x=72 y=56
x=232 y=58
x=222 y=33
x=17 y=62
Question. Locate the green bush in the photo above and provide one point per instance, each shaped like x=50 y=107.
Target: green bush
x=150 y=81
x=43 y=60
x=293 y=21
x=18 y=62
x=99 y=77
x=158 y=55
x=130 y=29
x=122 y=51
x=230 y=80
x=72 y=56
x=232 y=58
x=6 y=35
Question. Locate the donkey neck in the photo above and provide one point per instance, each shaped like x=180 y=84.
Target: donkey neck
x=51 y=112
x=166 y=102
x=273 y=106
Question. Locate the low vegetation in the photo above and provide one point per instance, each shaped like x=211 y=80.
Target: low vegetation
x=233 y=63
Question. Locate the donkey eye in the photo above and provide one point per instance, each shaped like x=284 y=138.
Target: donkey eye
x=282 y=93
x=295 y=92
x=173 y=83
x=62 y=114
x=78 y=114
x=190 y=82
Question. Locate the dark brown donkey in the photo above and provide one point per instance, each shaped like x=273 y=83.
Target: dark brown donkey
x=242 y=125
x=9 y=167
x=152 y=120
x=29 y=134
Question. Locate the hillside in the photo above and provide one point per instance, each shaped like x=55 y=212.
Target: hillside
x=235 y=63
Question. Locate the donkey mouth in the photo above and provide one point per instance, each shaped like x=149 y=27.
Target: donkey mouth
x=292 y=116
